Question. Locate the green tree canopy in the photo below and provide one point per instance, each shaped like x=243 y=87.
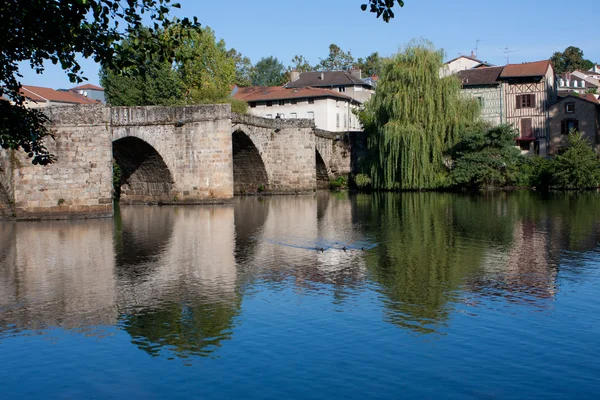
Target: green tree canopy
x=60 y=31
x=243 y=68
x=269 y=71
x=370 y=66
x=300 y=64
x=486 y=158
x=570 y=60
x=205 y=74
x=337 y=60
x=413 y=119
x=578 y=166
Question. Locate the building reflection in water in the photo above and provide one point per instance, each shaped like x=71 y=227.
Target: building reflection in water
x=173 y=278
x=57 y=274
x=185 y=299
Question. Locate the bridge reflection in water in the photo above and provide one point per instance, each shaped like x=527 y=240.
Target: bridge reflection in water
x=174 y=278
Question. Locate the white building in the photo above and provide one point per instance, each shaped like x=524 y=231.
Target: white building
x=462 y=63
x=331 y=110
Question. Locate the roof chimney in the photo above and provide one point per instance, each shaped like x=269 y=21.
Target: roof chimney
x=294 y=75
x=322 y=76
x=473 y=54
x=356 y=72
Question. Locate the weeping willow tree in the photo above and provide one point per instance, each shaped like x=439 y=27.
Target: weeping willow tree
x=414 y=117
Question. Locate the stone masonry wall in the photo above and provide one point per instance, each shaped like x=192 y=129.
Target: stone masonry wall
x=338 y=151
x=287 y=148
x=80 y=181
x=194 y=143
x=6 y=184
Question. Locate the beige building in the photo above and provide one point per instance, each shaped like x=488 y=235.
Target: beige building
x=574 y=112
x=332 y=111
x=528 y=90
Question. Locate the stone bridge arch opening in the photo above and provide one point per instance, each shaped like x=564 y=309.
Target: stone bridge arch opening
x=141 y=175
x=249 y=172
x=322 y=174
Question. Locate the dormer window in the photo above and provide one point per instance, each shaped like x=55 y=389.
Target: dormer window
x=341 y=89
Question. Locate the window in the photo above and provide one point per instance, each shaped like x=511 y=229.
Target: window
x=311 y=101
x=252 y=104
x=345 y=123
x=293 y=115
x=269 y=116
x=269 y=103
x=480 y=100
x=570 y=108
x=294 y=101
x=567 y=125
x=526 y=101
x=337 y=103
x=282 y=102
x=310 y=115
x=337 y=120
x=341 y=89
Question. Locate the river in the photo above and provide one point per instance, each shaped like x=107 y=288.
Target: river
x=415 y=295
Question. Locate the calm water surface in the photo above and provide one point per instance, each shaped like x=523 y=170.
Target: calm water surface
x=414 y=296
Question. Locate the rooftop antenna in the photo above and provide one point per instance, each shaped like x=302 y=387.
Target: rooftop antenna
x=507 y=52
x=477 y=47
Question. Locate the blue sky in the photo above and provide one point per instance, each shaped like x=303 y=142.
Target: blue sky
x=531 y=29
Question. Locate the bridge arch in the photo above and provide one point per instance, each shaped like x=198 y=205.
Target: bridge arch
x=322 y=171
x=142 y=176
x=249 y=171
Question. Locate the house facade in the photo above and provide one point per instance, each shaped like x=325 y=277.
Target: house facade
x=332 y=111
x=462 y=63
x=39 y=97
x=528 y=90
x=90 y=91
x=347 y=83
x=581 y=113
x=483 y=85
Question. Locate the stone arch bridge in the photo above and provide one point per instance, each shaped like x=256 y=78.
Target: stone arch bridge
x=169 y=155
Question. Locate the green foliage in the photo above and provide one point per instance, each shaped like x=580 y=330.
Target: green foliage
x=243 y=68
x=239 y=106
x=536 y=172
x=269 y=71
x=300 y=64
x=371 y=66
x=382 y=8
x=578 y=166
x=486 y=158
x=59 y=32
x=412 y=120
x=337 y=60
x=117 y=173
x=570 y=60
x=362 y=181
x=338 y=183
x=205 y=74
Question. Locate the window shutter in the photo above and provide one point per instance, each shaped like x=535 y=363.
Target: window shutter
x=532 y=100
x=576 y=125
x=563 y=127
x=518 y=102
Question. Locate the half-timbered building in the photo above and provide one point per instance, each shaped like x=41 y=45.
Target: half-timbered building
x=529 y=89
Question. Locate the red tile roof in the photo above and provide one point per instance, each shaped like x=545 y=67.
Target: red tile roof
x=43 y=94
x=268 y=93
x=590 y=97
x=88 y=86
x=531 y=69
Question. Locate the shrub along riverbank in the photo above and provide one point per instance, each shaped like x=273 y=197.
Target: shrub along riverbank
x=489 y=159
